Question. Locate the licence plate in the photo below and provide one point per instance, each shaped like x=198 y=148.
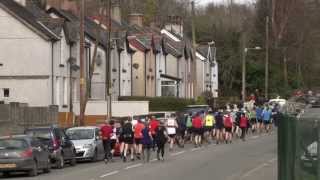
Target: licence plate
x=4 y=166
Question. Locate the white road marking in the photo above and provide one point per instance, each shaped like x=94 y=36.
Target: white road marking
x=272 y=160
x=177 y=153
x=109 y=174
x=153 y=160
x=195 y=149
x=249 y=173
x=254 y=137
x=253 y=170
x=133 y=166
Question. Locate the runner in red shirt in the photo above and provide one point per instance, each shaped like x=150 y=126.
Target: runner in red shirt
x=197 y=125
x=243 y=126
x=106 y=132
x=153 y=125
x=138 y=137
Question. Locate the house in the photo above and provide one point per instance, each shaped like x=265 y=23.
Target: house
x=36 y=65
x=210 y=69
x=98 y=86
x=179 y=50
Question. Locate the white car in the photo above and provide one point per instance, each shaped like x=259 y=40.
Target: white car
x=87 y=142
x=279 y=101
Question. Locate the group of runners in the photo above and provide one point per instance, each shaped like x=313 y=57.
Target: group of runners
x=137 y=139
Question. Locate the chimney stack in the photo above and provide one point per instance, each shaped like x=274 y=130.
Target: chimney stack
x=116 y=11
x=21 y=2
x=175 y=24
x=136 y=19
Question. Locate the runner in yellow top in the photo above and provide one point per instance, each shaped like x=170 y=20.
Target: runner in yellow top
x=209 y=122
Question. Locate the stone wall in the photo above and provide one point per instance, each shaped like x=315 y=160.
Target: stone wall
x=16 y=117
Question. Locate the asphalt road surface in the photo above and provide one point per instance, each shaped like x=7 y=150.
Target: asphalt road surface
x=254 y=159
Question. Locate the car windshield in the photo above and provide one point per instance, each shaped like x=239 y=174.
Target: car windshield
x=79 y=134
x=13 y=144
x=43 y=134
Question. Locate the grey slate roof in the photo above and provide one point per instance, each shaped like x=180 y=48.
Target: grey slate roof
x=29 y=17
x=73 y=23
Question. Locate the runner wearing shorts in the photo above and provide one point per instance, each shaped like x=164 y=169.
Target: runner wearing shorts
x=138 y=138
x=172 y=126
x=189 y=126
x=219 y=127
x=259 y=118
x=227 y=121
x=113 y=139
x=127 y=135
x=197 y=125
x=209 y=121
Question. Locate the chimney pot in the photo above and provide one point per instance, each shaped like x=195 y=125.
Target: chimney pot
x=116 y=11
x=136 y=19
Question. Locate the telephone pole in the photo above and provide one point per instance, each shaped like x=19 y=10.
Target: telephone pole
x=266 y=90
x=194 y=46
x=82 y=78
x=109 y=89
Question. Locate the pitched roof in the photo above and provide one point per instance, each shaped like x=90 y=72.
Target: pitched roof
x=24 y=15
x=72 y=25
x=54 y=24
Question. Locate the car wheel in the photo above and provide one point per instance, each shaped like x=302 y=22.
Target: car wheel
x=34 y=171
x=73 y=161
x=48 y=168
x=60 y=162
x=95 y=156
x=6 y=174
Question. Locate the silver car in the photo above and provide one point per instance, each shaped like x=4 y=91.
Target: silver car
x=87 y=142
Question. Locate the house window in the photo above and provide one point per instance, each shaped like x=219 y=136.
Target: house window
x=6 y=92
x=65 y=91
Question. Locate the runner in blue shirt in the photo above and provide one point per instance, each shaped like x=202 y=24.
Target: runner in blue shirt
x=266 y=117
x=259 y=118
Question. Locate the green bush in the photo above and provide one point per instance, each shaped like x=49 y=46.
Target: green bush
x=161 y=103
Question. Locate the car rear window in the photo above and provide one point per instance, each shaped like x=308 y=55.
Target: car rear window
x=40 y=133
x=13 y=144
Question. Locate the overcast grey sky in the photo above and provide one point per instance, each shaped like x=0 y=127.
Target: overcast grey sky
x=223 y=1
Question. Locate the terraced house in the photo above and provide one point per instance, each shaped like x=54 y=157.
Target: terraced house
x=145 y=61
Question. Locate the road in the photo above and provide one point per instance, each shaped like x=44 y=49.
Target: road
x=250 y=160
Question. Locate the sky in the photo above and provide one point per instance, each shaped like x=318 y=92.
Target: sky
x=203 y=2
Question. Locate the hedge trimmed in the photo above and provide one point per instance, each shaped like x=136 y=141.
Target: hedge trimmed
x=161 y=103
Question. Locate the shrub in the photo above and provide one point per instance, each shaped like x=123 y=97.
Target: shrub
x=161 y=103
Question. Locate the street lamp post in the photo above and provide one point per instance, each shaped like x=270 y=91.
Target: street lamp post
x=244 y=70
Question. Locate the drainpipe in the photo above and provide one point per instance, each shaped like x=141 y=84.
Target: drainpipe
x=70 y=81
x=155 y=74
x=120 y=71
x=52 y=78
x=145 y=73
x=178 y=76
x=131 y=84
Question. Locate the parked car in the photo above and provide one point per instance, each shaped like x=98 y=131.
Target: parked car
x=193 y=109
x=309 y=159
x=87 y=142
x=23 y=153
x=277 y=101
x=60 y=146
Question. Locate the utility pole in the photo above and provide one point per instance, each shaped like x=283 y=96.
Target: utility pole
x=82 y=78
x=194 y=46
x=109 y=92
x=266 y=90
x=244 y=54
